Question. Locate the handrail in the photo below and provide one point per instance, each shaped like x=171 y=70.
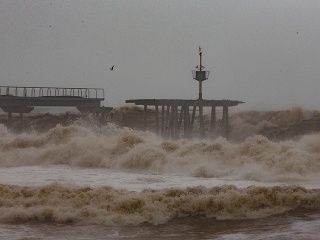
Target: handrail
x=95 y=93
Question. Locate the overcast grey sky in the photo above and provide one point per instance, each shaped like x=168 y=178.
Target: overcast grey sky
x=266 y=53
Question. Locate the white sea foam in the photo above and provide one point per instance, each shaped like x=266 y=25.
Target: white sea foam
x=255 y=159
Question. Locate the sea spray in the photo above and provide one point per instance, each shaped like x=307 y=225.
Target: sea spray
x=250 y=123
x=256 y=158
x=108 y=206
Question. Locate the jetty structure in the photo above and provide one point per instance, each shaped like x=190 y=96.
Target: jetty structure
x=176 y=118
x=24 y=99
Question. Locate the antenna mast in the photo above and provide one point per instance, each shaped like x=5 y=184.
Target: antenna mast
x=200 y=67
x=200 y=75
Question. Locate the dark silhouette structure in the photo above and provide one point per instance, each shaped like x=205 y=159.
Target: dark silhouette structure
x=24 y=99
x=177 y=117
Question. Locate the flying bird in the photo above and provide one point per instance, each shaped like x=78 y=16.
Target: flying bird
x=111 y=69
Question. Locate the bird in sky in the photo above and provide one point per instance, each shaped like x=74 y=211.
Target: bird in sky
x=111 y=69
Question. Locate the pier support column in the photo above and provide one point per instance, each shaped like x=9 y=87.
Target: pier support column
x=167 y=122
x=226 y=121
x=157 y=119
x=202 y=130
x=192 y=119
x=162 y=120
x=171 y=122
x=181 y=119
x=213 y=121
x=176 y=122
x=187 y=122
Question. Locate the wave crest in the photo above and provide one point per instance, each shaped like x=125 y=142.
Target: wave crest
x=256 y=158
x=108 y=206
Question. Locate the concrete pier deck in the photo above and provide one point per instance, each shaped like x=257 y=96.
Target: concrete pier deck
x=24 y=99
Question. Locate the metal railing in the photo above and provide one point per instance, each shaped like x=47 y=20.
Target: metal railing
x=97 y=93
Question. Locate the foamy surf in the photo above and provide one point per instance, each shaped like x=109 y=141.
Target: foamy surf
x=108 y=206
x=83 y=181
x=254 y=159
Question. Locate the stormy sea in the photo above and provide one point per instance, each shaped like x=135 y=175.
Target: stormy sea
x=80 y=180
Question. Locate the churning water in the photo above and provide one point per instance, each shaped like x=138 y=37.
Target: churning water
x=81 y=182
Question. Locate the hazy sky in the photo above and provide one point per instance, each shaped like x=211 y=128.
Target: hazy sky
x=266 y=53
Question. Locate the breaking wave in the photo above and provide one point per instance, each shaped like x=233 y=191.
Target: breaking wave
x=108 y=206
x=256 y=158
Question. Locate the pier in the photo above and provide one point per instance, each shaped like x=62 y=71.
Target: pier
x=174 y=118
x=24 y=99
x=177 y=117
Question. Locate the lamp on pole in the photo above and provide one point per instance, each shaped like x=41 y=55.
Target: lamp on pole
x=200 y=75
